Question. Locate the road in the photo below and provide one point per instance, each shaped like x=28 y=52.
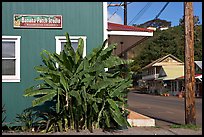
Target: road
x=165 y=110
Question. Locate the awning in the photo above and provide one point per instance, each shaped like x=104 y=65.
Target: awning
x=171 y=72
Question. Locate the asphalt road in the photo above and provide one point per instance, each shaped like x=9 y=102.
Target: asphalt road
x=165 y=110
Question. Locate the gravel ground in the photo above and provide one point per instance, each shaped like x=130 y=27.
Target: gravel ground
x=129 y=131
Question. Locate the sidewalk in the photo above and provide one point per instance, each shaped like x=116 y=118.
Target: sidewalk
x=144 y=127
x=141 y=125
x=138 y=120
x=129 y=131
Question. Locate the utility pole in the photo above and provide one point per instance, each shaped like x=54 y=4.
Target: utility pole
x=190 y=113
x=125 y=23
x=125 y=13
x=124 y=55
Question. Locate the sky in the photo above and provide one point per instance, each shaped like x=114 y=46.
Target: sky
x=135 y=15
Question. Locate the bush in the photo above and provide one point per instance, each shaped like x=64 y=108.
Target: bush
x=79 y=92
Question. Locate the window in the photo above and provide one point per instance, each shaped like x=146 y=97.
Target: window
x=61 y=40
x=11 y=58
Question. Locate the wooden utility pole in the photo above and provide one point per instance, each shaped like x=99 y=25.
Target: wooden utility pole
x=125 y=23
x=124 y=55
x=125 y=13
x=190 y=113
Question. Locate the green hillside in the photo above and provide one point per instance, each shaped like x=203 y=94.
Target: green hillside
x=164 y=42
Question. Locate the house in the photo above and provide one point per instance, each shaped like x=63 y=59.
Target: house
x=198 y=67
x=152 y=28
x=126 y=37
x=160 y=75
x=30 y=27
x=164 y=28
x=198 y=78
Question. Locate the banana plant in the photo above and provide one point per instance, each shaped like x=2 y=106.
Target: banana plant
x=85 y=96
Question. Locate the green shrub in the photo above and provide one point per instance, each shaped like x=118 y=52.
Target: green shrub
x=25 y=120
x=81 y=94
x=3 y=114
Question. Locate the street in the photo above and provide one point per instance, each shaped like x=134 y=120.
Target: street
x=165 y=110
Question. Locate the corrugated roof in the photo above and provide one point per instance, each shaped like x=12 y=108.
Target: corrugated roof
x=199 y=64
x=120 y=27
x=172 y=72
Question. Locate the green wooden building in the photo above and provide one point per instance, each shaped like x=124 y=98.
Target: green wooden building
x=30 y=27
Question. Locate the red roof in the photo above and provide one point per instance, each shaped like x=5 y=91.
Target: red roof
x=120 y=27
x=182 y=77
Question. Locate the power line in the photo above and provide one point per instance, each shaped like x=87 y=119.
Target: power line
x=161 y=10
x=159 y=13
x=129 y=3
x=141 y=12
x=115 y=12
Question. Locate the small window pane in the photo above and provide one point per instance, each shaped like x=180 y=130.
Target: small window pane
x=8 y=49
x=8 y=67
x=74 y=45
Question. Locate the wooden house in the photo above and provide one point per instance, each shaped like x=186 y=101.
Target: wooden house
x=160 y=75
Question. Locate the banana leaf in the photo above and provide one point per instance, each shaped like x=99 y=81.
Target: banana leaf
x=44 y=98
x=117 y=117
x=43 y=69
x=51 y=83
x=77 y=96
x=63 y=81
x=107 y=118
x=38 y=92
x=79 y=51
x=66 y=61
x=113 y=105
x=68 y=47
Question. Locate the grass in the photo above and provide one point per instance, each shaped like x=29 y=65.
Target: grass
x=157 y=127
x=187 y=126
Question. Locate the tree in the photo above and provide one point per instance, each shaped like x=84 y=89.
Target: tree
x=157 y=23
x=80 y=92
x=166 y=42
x=196 y=21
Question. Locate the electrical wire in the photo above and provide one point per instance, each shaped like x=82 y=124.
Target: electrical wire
x=161 y=10
x=141 y=12
x=129 y=3
x=115 y=11
x=159 y=13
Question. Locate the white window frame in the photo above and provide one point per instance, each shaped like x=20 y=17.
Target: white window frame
x=16 y=77
x=60 y=39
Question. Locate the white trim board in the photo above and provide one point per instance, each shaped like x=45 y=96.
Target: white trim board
x=60 y=39
x=130 y=33
x=16 y=77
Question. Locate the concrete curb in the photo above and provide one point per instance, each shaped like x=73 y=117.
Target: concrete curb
x=138 y=120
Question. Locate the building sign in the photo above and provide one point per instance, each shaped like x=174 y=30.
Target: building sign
x=37 y=21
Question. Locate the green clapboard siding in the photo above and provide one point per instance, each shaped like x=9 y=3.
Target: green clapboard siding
x=79 y=19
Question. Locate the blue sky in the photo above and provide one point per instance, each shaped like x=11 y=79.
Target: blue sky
x=173 y=12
